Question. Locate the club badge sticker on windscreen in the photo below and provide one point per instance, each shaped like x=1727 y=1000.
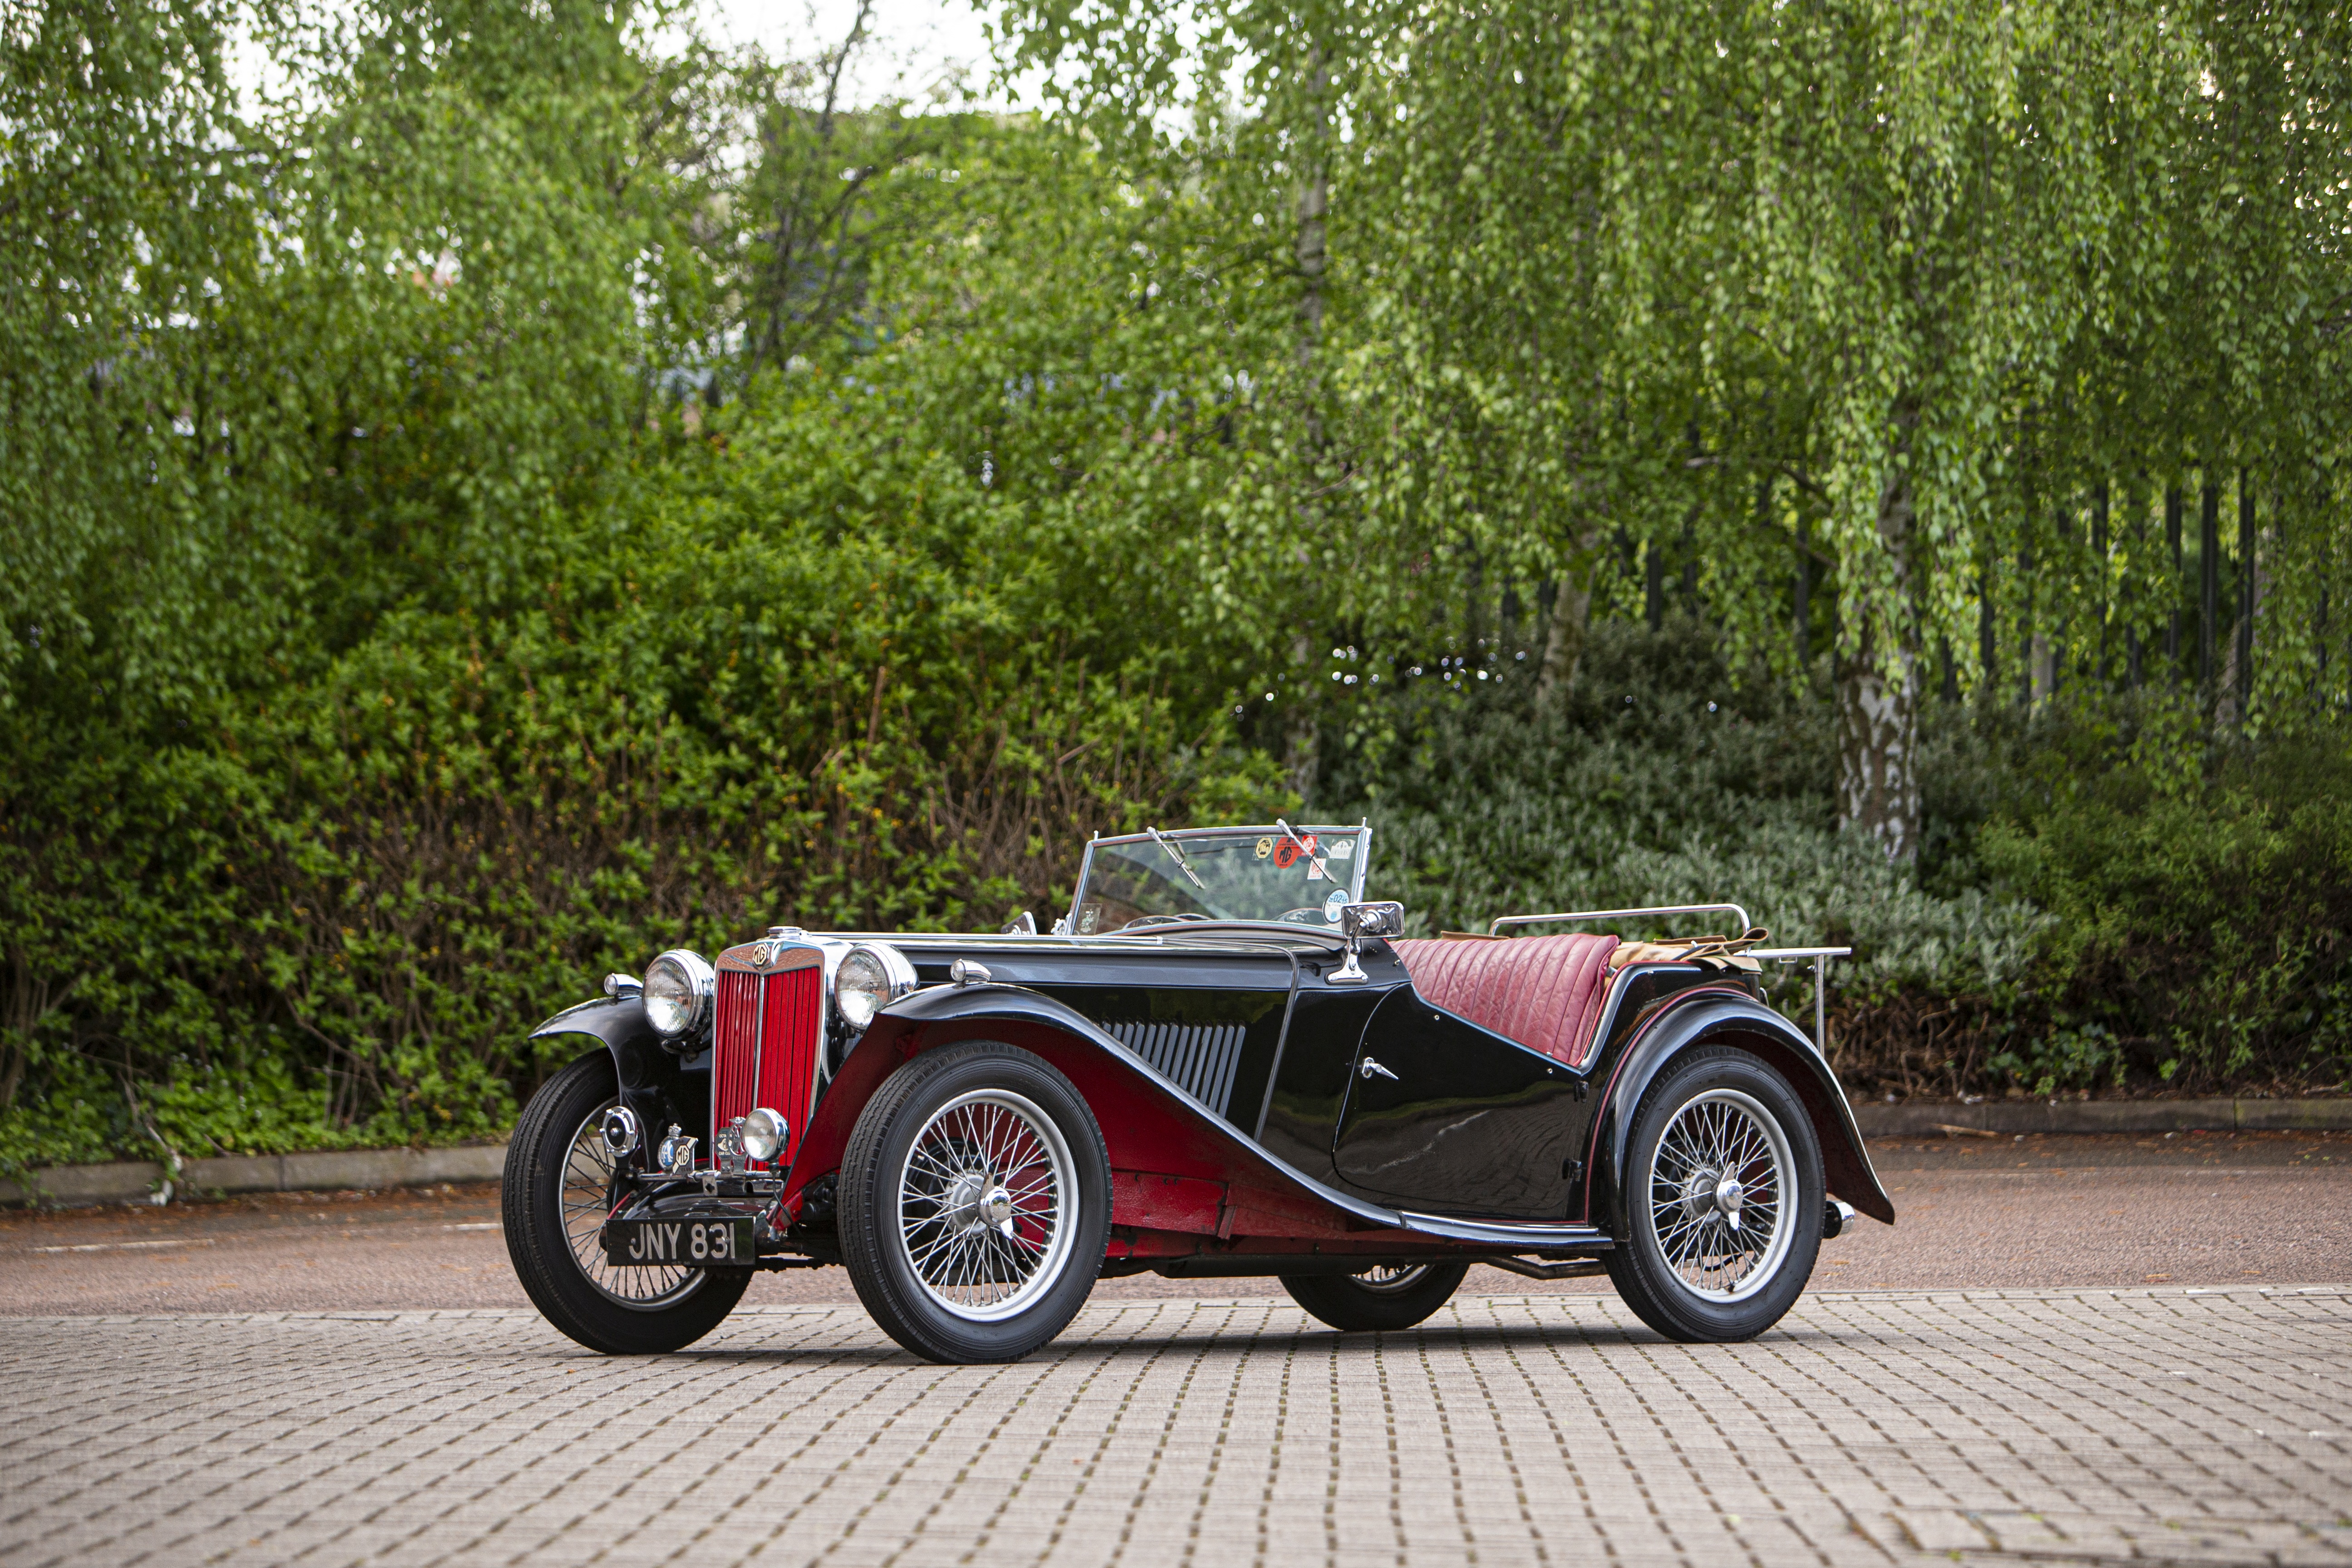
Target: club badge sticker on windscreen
x=1334 y=904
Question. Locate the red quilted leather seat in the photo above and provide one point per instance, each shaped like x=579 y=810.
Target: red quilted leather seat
x=1545 y=992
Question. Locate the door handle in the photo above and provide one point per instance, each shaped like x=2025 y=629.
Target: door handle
x=1372 y=1066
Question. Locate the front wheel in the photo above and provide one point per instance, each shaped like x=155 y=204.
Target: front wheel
x=1723 y=1197
x=553 y=1200
x=975 y=1204
x=1390 y=1298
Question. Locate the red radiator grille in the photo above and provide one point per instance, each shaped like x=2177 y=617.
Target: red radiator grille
x=784 y=1049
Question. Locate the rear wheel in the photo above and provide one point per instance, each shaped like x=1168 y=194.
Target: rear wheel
x=1723 y=1200
x=975 y=1204
x=1391 y=1297
x=554 y=1202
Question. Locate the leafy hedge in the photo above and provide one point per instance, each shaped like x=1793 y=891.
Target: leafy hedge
x=334 y=924
x=2101 y=905
x=784 y=674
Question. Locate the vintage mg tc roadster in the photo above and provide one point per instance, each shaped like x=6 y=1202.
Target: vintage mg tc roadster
x=1222 y=1061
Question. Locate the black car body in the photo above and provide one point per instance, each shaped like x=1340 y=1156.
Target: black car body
x=1301 y=1093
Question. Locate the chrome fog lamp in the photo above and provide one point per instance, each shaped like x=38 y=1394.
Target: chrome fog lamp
x=620 y=1130
x=677 y=991
x=765 y=1132
x=869 y=978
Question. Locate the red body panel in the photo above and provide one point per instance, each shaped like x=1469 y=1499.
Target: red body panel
x=1179 y=1184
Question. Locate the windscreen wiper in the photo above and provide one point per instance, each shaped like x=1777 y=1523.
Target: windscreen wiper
x=1322 y=867
x=1178 y=856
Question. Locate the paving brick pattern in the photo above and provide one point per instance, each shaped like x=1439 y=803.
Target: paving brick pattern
x=2085 y=1426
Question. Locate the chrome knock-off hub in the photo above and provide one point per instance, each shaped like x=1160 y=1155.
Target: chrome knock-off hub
x=978 y=1199
x=1710 y=1199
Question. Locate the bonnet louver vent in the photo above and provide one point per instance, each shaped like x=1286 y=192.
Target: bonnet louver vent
x=1201 y=1057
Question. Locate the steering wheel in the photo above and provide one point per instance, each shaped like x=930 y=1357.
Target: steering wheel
x=1309 y=916
x=1160 y=919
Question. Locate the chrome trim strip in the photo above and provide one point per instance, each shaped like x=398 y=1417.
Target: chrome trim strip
x=996 y=942
x=739 y=959
x=759 y=1045
x=1507 y=1233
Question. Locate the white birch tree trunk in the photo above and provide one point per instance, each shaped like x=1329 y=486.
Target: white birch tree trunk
x=1878 y=697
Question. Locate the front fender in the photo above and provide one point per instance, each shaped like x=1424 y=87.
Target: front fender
x=1711 y=1017
x=655 y=1083
x=1218 y=1181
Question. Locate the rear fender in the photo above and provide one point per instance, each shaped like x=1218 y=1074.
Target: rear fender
x=1713 y=1016
x=1176 y=1167
x=655 y=1083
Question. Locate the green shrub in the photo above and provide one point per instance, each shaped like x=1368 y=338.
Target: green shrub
x=802 y=669
x=1665 y=781
x=2102 y=903
x=2199 y=917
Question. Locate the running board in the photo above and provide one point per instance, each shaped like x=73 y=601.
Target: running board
x=1505 y=1234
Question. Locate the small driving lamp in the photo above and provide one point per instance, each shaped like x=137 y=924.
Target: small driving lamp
x=765 y=1133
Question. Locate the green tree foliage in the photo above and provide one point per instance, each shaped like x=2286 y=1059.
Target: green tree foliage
x=1713 y=278
x=453 y=661
x=514 y=495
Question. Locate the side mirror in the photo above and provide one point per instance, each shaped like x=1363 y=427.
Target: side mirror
x=1357 y=922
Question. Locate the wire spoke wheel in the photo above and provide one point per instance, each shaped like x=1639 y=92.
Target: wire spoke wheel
x=1390 y=1279
x=1720 y=1189
x=1388 y=1297
x=985 y=1204
x=587 y=1188
x=558 y=1185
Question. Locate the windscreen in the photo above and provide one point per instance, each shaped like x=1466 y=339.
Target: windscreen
x=1303 y=876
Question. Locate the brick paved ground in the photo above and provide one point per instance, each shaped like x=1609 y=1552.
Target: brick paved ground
x=2028 y=1214
x=2164 y=1425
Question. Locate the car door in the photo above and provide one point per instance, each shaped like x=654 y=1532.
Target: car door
x=1444 y=1116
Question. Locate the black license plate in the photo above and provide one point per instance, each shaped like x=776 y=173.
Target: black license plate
x=675 y=1243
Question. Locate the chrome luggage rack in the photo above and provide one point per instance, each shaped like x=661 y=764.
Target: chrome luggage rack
x=1785 y=956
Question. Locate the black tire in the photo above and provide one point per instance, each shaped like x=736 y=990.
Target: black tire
x=1379 y=1299
x=974 y=1298
x=1757 y=1273
x=548 y=1256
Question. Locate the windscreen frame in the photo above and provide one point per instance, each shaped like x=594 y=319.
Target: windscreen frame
x=1361 y=831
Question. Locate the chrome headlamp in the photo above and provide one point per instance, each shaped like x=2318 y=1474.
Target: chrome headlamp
x=765 y=1132
x=677 y=991
x=869 y=978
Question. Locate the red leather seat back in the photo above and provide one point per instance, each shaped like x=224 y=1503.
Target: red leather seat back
x=1544 y=992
